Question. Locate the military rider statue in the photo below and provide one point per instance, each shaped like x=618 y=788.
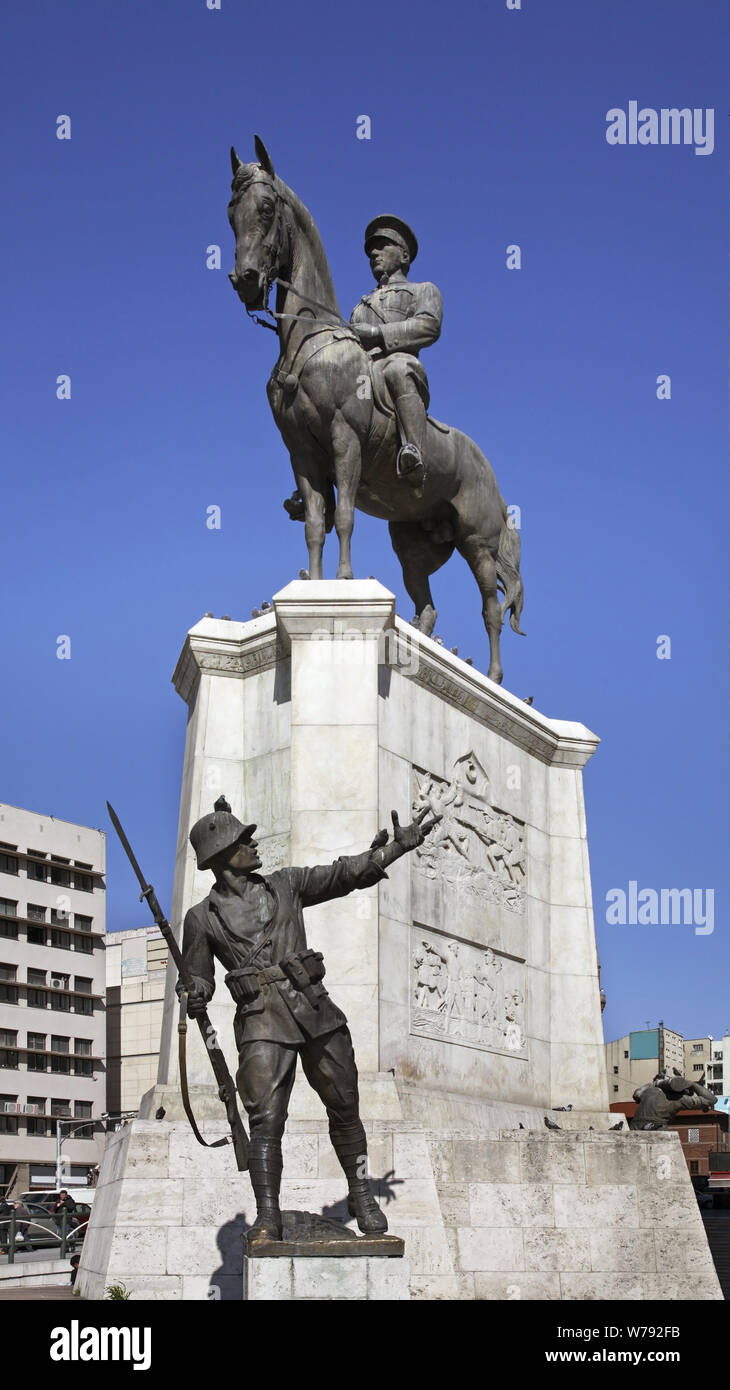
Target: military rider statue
x=393 y=324
x=254 y=925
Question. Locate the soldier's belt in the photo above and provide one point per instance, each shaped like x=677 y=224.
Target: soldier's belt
x=302 y=972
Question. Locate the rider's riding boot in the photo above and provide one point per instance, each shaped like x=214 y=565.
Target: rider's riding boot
x=350 y=1145
x=411 y=414
x=264 y=1166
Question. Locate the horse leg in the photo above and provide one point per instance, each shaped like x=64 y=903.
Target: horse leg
x=419 y=556
x=347 y=455
x=314 y=523
x=481 y=561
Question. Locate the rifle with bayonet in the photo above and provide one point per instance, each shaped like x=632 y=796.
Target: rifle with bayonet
x=226 y=1088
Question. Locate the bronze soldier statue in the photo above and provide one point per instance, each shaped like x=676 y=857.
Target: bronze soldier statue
x=393 y=323
x=662 y=1099
x=254 y=925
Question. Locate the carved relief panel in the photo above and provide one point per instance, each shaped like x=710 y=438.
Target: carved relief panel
x=461 y=993
x=476 y=846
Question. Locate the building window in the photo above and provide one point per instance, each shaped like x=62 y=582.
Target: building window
x=82 y=984
x=8 y=929
x=8 y=907
x=698 y=1047
x=9 y=1048
x=61 y=1066
x=37 y=1041
x=60 y=1044
x=35 y=912
x=698 y=1066
x=8 y=1123
x=83 y=1067
x=84 y=1006
x=82 y=1111
x=36 y=977
x=36 y=1052
x=61 y=1109
x=8 y=862
x=60 y=917
x=626 y=1056
x=615 y=1071
x=60 y=875
x=36 y=1124
x=85 y=944
x=34 y=869
x=36 y=936
x=61 y=939
x=83 y=923
x=61 y=1003
x=615 y=1089
x=83 y=1046
x=693 y=1136
x=8 y=988
x=83 y=883
x=37 y=999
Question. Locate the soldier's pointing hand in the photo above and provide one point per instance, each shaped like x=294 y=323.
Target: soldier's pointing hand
x=409 y=836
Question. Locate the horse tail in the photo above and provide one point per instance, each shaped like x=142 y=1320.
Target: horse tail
x=508 y=573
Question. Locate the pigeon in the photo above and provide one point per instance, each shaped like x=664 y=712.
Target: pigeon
x=454 y=651
x=620 y=1125
x=265 y=606
x=438 y=640
x=521 y=1125
x=255 y=612
x=380 y=839
x=207 y=615
x=226 y=617
x=675 y=1072
x=469 y=661
x=160 y=1114
x=590 y=1126
x=304 y=574
x=528 y=699
x=550 y=1124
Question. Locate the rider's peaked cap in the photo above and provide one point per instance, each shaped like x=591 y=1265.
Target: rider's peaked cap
x=395 y=229
x=217 y=831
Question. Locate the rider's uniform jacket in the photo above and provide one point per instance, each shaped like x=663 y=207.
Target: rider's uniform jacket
x=268 y=918
x=409 y=316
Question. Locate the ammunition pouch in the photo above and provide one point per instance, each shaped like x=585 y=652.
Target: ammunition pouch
x=244 y=985
x=304 y=970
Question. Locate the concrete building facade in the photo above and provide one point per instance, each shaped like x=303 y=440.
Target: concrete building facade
x=52 y=998
x=711 y=1056
x=635 y=1059
x=136 y=963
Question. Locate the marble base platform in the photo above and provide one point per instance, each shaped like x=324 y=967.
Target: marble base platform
x=580 y=1213
x=296 y=1280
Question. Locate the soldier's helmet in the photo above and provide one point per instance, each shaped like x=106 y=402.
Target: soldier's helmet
x=217 y=831
x=394 y=229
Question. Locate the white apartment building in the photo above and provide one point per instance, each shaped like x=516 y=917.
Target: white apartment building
x=711 y=1056
x=136 y=966
x=52 y=998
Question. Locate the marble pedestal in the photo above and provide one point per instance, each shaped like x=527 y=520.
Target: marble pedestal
x=469 y=976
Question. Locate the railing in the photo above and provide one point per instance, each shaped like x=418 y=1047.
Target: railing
x=65 y=1237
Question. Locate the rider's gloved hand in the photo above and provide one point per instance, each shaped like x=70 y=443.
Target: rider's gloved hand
x=369 y=334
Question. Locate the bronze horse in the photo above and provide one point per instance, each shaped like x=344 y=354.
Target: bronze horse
x=340 y=432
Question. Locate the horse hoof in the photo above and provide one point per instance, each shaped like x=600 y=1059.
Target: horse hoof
x=495 y=675
x=345 y=573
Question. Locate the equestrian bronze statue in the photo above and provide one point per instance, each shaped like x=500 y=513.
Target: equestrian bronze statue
x=254 y=925
x=351 y=401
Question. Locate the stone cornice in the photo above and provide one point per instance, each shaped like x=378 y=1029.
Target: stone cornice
x=228 y=649
x=555 y=741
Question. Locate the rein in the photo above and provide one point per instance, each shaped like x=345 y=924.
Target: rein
x=274 y=314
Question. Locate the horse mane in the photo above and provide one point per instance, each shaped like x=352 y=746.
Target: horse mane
x=306 y=225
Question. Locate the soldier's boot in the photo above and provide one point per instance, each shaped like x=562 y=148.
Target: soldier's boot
x=411 y=414
x=264 y=1166
x=350 y=1145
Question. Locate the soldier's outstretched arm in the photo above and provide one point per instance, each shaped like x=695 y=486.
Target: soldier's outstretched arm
x=326 y=881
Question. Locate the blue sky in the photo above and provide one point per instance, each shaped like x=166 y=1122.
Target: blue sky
x=488 y=129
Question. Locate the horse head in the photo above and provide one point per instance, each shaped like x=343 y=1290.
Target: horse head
x=256 y=213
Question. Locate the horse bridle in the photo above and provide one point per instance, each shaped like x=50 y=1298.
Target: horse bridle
x=272 y=279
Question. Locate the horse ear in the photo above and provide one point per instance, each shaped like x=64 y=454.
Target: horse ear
x=235 y=161
x=263 y=156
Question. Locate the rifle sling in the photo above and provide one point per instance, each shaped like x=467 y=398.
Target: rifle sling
x=182 y=1029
